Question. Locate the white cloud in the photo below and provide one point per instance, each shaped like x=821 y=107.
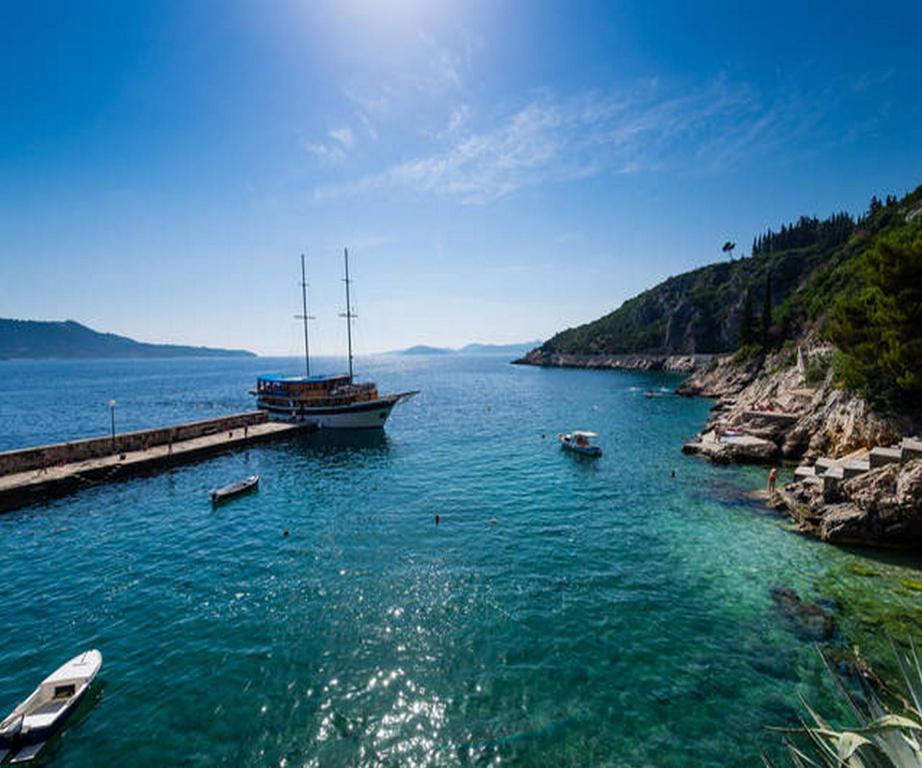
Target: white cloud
x=342 y=140
x=325 y=152
x=552 y=139
x=459 y=116
x=343 y=136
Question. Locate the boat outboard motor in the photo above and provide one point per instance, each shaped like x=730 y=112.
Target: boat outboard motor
x=10 y=730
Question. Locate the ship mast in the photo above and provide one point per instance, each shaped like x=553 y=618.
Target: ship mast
x=305 y=317
x=348 y=313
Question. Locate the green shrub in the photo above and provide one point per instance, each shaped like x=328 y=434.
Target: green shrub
x=817 y=368
x=887 y=730
x=746 y=354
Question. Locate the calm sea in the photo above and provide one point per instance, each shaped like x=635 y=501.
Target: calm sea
x=612 y=615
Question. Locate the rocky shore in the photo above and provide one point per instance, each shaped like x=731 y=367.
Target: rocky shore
x=881 y=507
x=786 y=407
x=634 y=362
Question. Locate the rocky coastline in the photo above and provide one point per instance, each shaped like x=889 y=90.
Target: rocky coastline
x=786 y=407
x=627 y=362
x=880 y=508
x=790 y=404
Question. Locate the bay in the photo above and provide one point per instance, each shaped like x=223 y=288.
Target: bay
x=612 y=615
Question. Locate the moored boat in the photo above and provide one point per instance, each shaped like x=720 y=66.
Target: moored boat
x=28 y=727
x=234 y=489
x=328 y=402
x=580 y=442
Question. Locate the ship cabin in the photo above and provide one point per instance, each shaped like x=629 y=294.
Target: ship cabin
x=312 y=391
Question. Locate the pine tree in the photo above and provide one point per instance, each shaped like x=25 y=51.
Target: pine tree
x=878 y=328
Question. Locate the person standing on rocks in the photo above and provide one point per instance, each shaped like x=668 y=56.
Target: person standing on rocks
x=772 y=479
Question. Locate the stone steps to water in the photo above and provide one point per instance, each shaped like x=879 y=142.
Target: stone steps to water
x=829 y=471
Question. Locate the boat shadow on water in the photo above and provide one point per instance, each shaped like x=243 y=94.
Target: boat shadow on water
x=332 y=442
x=74 y=723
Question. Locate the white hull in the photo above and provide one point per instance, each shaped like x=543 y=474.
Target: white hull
x=26 y=729
x=583 y=448
x=359 y=416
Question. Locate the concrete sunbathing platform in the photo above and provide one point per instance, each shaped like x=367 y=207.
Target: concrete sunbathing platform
x=730 y=448
x=18 y=489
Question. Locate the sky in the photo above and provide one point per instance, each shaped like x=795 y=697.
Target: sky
x=498 y=170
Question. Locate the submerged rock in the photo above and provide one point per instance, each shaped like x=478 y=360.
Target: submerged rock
x=811 y=620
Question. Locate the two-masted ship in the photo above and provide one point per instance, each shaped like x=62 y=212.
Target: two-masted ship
x=327 y=401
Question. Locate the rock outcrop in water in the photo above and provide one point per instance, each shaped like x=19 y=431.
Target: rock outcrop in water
x=771 y=409
x=882 y=507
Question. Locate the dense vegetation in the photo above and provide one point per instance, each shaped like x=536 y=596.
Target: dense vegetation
x=716 y=308
x=878 y=326
x=40 y=339
x=857 y=282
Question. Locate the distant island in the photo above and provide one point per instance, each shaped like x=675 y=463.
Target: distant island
x=469 y=349
x=37 y=339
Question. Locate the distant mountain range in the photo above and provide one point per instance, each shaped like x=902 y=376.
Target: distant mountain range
x=68 y=339
x=470 y=349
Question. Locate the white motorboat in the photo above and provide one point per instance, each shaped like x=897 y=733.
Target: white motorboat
x=27 y=728
x=580 y=442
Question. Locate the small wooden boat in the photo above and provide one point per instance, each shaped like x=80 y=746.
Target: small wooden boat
x=27 y=728
x=580 y=442
x=234 y=489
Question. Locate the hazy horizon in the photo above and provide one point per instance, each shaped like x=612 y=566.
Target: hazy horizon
x=499 y=172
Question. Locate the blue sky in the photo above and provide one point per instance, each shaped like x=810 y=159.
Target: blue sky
x=499 y=170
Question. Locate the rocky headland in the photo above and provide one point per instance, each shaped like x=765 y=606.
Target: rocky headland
x=784 y=340
x=673 y=363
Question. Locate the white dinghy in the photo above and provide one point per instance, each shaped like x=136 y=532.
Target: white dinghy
x=580 y=442
x=25 y=730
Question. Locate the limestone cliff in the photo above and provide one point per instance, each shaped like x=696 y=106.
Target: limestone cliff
x=785 y=405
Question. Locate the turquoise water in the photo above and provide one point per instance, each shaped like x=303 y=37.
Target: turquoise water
x=613 y=614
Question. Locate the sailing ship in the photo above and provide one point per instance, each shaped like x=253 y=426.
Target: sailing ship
x=327 y=401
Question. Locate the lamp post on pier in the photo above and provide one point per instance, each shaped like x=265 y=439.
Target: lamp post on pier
x=112 y=418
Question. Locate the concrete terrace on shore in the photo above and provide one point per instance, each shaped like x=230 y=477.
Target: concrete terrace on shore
x=828 y=471
x=726 y=449
x=18 y=489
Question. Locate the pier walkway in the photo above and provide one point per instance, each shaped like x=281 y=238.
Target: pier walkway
x=41 y=481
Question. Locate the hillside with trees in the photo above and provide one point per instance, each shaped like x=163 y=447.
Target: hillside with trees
x=856 y=282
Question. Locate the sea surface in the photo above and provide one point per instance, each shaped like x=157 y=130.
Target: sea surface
x=564 y=612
